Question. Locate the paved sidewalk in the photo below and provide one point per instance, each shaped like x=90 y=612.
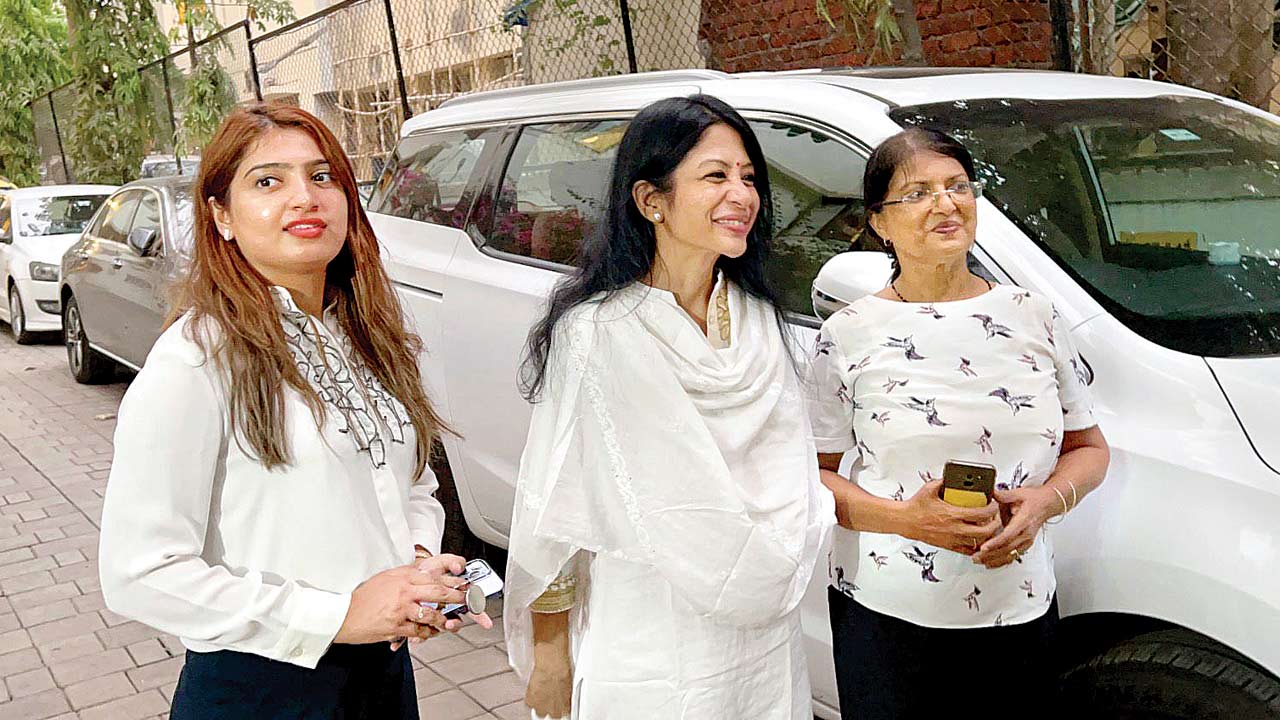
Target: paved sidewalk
x=62 y=653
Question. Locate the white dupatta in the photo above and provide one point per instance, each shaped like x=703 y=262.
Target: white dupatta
x=650 y=445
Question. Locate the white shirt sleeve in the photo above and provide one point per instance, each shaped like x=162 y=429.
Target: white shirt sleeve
x=170 y=453
x=828 y=398
x=1073 y=379
x=425 y=513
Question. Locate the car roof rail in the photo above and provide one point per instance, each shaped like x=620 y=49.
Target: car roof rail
x=600 y=83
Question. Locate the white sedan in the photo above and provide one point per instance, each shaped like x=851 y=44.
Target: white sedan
x=37 y=225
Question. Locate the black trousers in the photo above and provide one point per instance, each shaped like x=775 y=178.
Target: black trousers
x=351 y=682
x=890 y=669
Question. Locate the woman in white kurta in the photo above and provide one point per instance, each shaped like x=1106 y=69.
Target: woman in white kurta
x=668 y=511
x=942 y=365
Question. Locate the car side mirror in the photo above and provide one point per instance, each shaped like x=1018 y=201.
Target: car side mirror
x=848 y=276
x=143 y=240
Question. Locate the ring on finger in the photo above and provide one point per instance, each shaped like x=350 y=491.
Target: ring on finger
x=422 y=613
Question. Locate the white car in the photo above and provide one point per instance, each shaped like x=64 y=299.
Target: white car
x=1146 y=212
x=37 y=225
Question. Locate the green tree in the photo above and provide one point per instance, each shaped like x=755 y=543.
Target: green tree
x=112 y=121
x=209 y=93
x=33 y=48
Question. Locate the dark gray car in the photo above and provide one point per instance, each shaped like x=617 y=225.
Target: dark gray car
x=118 y=278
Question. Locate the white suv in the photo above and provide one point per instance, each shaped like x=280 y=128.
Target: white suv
x=1147 y=212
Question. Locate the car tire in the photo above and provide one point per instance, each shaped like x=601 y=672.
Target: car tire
x=18 y=318
x=1171 y=675
x=87 y=365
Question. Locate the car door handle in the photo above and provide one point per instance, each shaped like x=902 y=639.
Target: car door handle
x=117 y=263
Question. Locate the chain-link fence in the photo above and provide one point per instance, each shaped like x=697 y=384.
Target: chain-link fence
x=1228 y=47
x=364 y=66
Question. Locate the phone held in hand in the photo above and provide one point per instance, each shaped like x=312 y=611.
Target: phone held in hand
x=484 y=585
x=968 y=484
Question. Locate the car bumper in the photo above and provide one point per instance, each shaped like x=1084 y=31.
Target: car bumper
x=40 y=304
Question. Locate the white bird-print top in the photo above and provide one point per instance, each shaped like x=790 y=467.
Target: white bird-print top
x=909 y=386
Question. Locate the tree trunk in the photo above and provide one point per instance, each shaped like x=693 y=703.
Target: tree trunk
x=912 y=48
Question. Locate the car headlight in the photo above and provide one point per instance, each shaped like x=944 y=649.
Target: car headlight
x=44 y=271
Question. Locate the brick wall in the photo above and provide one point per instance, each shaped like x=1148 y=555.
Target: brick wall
x=741 y=35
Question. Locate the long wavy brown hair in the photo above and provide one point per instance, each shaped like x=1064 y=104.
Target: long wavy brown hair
x=234 y=317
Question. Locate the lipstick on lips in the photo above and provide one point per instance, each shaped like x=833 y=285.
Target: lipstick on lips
x=308 y=228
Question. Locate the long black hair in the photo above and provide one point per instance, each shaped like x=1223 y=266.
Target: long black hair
x=892 y=154
x=622 y=249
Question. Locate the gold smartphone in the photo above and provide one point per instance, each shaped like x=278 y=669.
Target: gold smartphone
x=968 y=484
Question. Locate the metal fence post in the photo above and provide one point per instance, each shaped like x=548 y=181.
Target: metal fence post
x=253 y=62
x=1062 y=19
x=395 y=55
x=57 y=133
x=625 y=9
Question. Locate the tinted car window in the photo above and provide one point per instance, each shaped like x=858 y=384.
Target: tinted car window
x=816 y=185
x=553 y=192
x=116 y=218
x=428 y=175
x=1162 y=208
x=61 y=215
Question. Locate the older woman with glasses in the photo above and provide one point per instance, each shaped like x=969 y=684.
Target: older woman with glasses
x=933 y=605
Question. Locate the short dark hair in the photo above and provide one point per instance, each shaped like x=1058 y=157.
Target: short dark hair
x=891 y=155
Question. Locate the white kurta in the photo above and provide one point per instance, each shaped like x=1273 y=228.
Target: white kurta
x=685 y=478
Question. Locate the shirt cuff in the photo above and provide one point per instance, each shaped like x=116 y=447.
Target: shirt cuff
x=314 y=623
x=428 y=539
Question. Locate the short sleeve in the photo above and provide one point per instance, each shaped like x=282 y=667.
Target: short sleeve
x=829 y=399
x=1073 y=378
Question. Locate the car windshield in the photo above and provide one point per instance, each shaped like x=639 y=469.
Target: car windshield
x=1163 y=208
x=56 y=215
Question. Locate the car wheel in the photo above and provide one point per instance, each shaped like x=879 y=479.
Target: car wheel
x=18 y=319
x=87 y=365
x=1171 y=675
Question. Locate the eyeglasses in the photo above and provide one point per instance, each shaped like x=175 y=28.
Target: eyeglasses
x=965 y=192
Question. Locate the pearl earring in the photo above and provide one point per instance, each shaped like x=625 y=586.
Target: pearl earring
x=226 y=233
x=657 y=217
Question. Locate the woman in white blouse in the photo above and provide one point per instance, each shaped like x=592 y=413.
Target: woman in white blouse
x=934 y=607
x=669 y=510
x=270 y=489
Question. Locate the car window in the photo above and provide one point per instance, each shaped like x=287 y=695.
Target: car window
x=55 y=215
x=553 y=192
x=6 y=230
x=148 y=214
x=816 y=186
x=117 y=216
x=428 y=175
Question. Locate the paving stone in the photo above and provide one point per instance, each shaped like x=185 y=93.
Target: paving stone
x=46 y=613
x=29 y=682
x=12 y=640
x=471 y=666
x=449 y=705
x=44 y=596
x=135 y=707
x=147 y=651
x=36 y=707
x=127 y=634
x=99 y=690
x=157 y=674
x=91 y=666
x=19 y=661
x=83 y=624
x=69 y=648
x=428 y=682
x=514 y=711
x=495 y=691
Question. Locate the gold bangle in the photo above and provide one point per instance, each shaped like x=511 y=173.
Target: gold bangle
x=1075 y=499
x=1058 y=518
